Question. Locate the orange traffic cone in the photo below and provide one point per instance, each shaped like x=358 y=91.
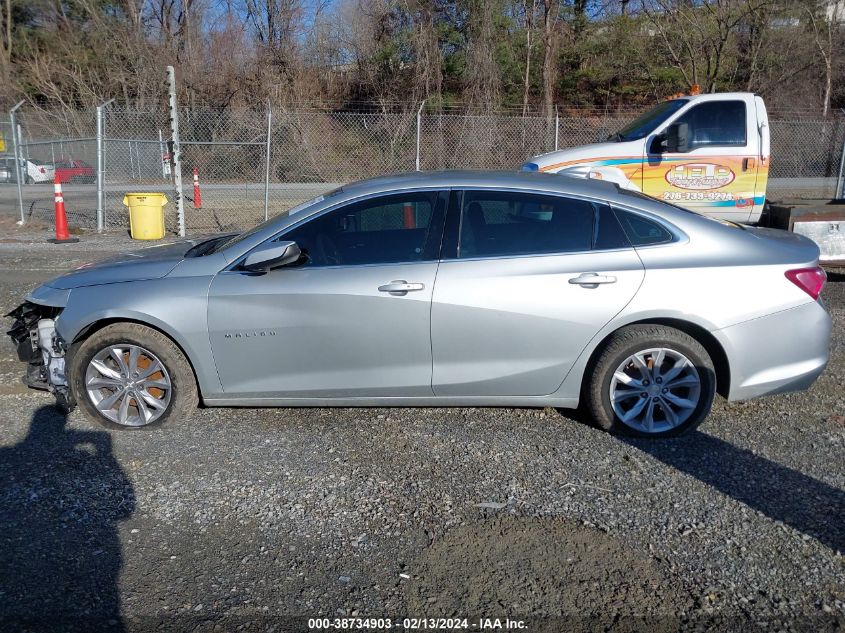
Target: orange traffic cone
x=62 y=233
x=197 y=196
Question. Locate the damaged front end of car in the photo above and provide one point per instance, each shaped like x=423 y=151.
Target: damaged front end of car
x=42 y=349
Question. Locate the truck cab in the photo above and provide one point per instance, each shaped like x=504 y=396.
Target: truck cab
x=709 y=153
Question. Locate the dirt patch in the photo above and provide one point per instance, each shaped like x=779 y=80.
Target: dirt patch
x=549 y=569
x=9 y=226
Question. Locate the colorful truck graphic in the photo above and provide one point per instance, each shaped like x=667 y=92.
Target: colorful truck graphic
x=709 y=153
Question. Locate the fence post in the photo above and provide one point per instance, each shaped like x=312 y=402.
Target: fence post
x=267 y=163
x=161 y=156
x=177 y=151
x=840 y=183
x=557 y=126
x=138 y=160
x=16 y=151
x=419 y=129
x=101 y=167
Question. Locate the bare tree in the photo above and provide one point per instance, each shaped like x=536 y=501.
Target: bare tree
x=551 y=12
x=483 y=79
x=695 y=35
x=528 y=12
x=824 y=19
x=428 y=61
x=71 y=53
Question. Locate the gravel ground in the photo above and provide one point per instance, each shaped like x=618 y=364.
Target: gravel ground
x=254 y=519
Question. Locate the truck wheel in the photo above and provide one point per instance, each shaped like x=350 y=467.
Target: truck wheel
x=650 y=381
x=128 y=375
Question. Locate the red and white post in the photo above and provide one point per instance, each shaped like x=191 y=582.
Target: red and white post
x=197 y=196
x=62 y=233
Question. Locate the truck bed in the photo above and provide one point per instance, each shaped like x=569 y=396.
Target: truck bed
x=823 y=221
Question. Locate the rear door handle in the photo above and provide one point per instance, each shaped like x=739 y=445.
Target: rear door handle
x=400 y=287
x=592 y=279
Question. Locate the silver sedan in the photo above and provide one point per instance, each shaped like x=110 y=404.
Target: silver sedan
x=441 y=289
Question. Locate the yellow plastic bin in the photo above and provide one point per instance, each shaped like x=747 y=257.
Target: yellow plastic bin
x=146 y=215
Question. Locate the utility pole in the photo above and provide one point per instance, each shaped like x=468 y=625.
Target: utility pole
x=177 y=151
x=101 y=167
x=267 y=162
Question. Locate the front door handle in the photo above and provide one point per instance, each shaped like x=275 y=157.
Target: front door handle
x=592 y=279
x=400 y=287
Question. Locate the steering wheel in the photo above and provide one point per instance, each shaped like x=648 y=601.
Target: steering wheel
x=327 y=250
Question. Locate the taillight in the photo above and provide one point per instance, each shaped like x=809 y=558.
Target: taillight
x=810 y=280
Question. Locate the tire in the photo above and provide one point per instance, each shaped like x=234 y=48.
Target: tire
x=169 y=393
x=631 y=354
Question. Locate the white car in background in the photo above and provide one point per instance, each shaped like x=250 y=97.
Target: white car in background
x=32 y=170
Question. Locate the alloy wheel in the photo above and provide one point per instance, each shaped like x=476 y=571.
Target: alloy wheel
x=655 y=390
x=128 y=385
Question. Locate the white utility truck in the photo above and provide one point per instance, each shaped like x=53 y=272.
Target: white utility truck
x=707 y=152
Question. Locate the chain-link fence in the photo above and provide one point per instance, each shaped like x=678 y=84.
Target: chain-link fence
x=807 y=158
x=255 y=162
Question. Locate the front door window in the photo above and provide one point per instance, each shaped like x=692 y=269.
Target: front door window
x=401 y=228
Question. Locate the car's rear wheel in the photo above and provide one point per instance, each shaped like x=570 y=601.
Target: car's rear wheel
x=127 y=375
x=650 y=381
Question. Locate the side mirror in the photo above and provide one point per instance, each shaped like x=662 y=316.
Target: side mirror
x=272 y=255
x=677 y=138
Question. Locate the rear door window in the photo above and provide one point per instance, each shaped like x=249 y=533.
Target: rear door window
x=501 y=224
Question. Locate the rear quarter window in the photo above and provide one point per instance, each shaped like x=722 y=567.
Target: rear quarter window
x=642 y=231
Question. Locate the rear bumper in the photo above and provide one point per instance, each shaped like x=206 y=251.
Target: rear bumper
x=778 y=353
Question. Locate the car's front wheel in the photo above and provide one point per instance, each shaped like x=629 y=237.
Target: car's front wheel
x=127 y=375
x=650 y=381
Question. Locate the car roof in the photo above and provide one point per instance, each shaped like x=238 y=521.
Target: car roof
x=532 y=181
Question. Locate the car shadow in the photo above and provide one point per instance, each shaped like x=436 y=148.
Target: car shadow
x=781 y=493
x=62 y=494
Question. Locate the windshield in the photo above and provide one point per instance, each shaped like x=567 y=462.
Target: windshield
x=236 y=239
x=646 y=123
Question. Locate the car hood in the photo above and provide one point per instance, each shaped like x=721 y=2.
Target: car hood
x=147 y=263
x=607 y=153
